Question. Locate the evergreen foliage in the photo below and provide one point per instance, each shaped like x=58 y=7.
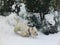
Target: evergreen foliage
x=38 y=6
x=55 y=4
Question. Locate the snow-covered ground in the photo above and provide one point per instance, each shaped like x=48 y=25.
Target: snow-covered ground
x=8 y=37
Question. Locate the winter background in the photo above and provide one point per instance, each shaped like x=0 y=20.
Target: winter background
x=8 y=37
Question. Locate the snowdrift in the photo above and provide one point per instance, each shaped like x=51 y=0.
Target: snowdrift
x=8 y=37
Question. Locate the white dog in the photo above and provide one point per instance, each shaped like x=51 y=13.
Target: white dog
x=24 y=30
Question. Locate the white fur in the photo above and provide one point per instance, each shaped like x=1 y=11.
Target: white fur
x=33 y=32
x=23 y=30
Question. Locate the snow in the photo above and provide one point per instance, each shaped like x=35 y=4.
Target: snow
x=8 y=37
x=13 y=6
x=50 y=18
x=11 y=19
x=56 y=13
x=23 y=11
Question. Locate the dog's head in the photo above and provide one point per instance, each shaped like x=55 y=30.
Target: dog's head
x=33 y=31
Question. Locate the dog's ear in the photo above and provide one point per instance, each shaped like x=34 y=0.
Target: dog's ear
x=32 y=28
x=29 y=31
